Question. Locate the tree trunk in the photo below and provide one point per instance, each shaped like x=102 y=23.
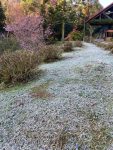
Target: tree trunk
x=84 y=32
x=91 y=33
x=63 y=30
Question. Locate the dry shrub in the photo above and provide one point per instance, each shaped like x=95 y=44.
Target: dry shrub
x=2 y=86
x=51 y=53
x=77 y=44
x=17 y=66
x=68 y=47
x=100 y=44
x=109 y=47
x=112 y=50
x=105 y=46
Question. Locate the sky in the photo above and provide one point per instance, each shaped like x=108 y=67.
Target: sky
x=106 y=2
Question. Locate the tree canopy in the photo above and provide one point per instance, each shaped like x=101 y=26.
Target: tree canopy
x=2 y=18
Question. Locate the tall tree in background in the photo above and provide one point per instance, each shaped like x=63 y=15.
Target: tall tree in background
x=59 y=14
x=88 y=7
x=2 y=18
x=27 y=27
x=30 y=6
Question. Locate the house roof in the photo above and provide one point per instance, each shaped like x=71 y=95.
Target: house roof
x=100 y=12
x=110 y=31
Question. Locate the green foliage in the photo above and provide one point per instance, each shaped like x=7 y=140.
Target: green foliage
x=76 y=35
x=58 y=14
x=102 y=21
x=30 y=6
x=27 y=1
x=8 y=44
x=17 y=66
x=2 y=18
x=95 y=8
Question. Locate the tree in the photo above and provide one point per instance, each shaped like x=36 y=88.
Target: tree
x=27 y=28
x=86 y=9
x=30 y=6
x=2 y=18
x=14 y=12
x=59 y=13
x=29 y=32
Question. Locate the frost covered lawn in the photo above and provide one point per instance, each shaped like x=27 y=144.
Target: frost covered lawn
x=69 y=107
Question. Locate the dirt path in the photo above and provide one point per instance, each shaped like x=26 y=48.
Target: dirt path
x=69 y=108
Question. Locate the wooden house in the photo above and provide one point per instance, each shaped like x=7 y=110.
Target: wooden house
x=103 y=22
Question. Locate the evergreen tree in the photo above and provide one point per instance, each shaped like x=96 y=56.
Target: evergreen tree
x=2 y=18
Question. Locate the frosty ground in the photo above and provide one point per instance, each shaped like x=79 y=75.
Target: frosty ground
x=69 y=107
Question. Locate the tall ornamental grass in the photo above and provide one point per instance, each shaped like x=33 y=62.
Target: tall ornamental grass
x=18 y=66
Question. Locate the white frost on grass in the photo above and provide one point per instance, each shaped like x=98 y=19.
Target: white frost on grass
x=77 y=111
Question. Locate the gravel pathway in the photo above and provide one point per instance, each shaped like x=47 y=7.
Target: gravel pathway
x=70 y=107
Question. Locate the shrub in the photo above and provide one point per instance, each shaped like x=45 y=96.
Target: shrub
x=17 y=66
x=112 y=50
x=51 y=53
x=109 y=47
x=76 y=35
x=87 y=39
x=104 y=45
x=68 y=47
x=77 y=44
x=8 y=44
x=2 y=86
x=99 y=44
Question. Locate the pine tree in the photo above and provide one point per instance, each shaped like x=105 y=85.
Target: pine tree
x=2 y=18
